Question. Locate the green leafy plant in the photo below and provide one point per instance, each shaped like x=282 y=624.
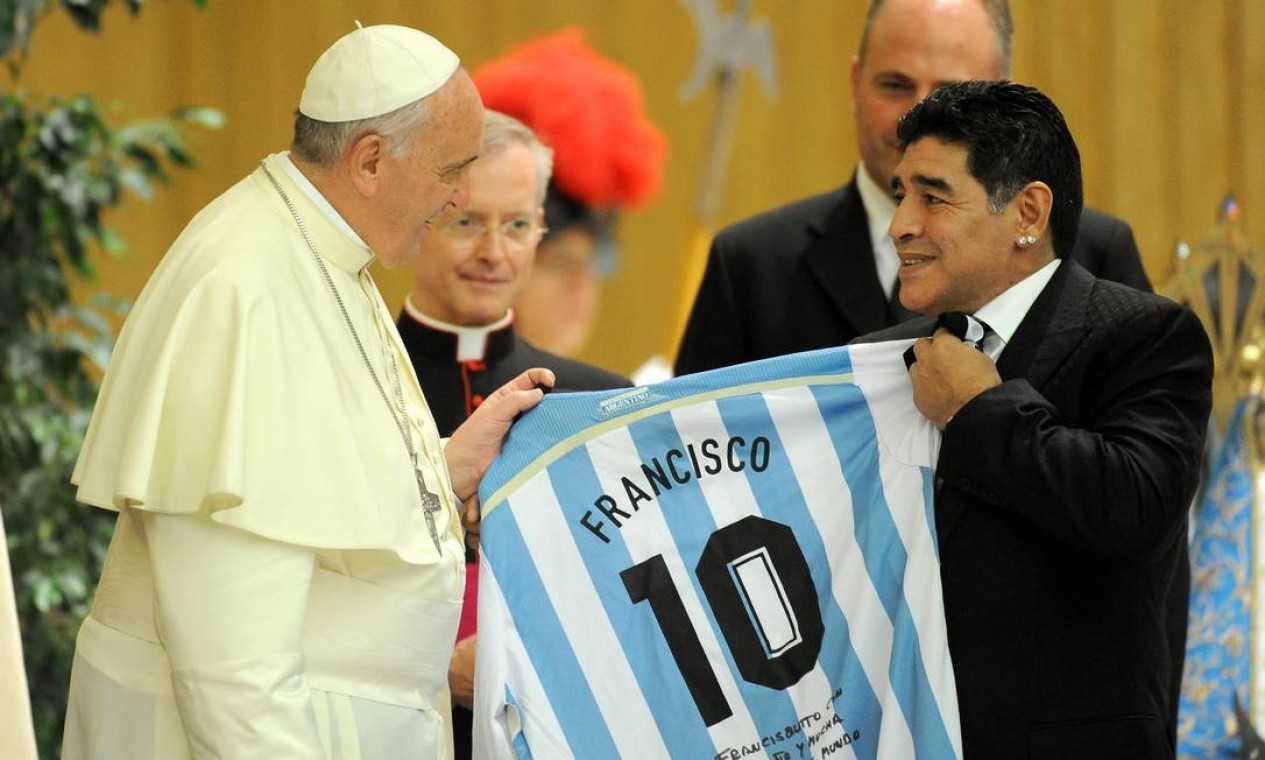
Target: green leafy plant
x=63 y=165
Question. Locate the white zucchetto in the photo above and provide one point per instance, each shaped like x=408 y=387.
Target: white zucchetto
x=375 y=70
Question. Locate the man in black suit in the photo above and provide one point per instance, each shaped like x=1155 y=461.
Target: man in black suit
x=458 y=328
x=821 y=271
x=1065 y=468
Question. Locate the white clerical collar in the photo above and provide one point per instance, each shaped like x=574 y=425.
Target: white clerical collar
x=1006 y=311
x=879 y=211
x=472 y=342
x=314 y=195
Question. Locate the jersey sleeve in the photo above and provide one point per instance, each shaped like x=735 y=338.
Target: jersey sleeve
x=493 y=734
x=512 y=718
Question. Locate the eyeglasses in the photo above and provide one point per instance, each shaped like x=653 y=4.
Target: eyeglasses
x=467 y=230
x=566 y=264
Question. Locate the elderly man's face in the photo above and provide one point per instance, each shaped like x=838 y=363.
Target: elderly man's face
x=432 y=176
x=476 y=260
x=915 y=46
x=955 y=253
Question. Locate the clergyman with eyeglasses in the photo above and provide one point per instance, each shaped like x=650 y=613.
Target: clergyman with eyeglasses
x=458 y=325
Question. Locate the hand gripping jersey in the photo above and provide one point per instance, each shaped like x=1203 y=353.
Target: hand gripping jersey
x=738 y=563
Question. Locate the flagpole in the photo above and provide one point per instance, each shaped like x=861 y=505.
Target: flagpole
x=728 y=44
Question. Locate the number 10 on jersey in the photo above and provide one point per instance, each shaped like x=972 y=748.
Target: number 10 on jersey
x=761 y=593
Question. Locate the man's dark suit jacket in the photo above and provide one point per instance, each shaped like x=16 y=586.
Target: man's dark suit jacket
x=802 y=277
x=1061 y=508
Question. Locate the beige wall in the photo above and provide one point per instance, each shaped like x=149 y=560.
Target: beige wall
x=1159 y=93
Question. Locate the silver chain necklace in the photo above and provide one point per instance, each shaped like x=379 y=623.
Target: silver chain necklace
x=399 y=412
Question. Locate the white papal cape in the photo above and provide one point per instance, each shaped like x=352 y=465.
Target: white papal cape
x=237 y=395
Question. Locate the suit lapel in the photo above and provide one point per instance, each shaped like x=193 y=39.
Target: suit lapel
x=1048 y=335
x=841 y=259
x=1052 y=329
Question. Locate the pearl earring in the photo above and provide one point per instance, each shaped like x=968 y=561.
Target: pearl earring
x=1026 y=240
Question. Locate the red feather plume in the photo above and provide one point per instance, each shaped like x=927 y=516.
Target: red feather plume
x=587 y=108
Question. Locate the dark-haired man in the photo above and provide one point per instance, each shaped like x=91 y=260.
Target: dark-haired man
x=1071 y=443
x=829 y=255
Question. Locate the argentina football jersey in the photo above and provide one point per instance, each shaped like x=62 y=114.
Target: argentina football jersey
x=738 y=563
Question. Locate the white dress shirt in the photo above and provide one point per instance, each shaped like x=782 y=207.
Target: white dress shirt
x=880 y=209
x=1004 y=313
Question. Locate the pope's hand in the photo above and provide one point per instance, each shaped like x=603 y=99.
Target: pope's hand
x=476 y=443
x=470 y=519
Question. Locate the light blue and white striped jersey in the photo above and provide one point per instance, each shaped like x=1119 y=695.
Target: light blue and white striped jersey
x=738 y=563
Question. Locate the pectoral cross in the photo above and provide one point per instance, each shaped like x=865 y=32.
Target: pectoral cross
x=430 y=505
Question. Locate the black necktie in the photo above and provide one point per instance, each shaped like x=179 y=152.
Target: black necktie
x=966 y=327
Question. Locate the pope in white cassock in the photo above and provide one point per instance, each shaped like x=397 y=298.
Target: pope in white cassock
x=287 y=568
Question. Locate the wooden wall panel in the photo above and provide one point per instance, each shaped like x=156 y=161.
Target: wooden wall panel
x=1197 y=148
x=1130 y=93
x=1162 y=95
x=1247 y=152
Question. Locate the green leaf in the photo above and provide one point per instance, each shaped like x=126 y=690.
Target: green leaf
x=85 y=13
x=136 y=181
x=45 y=594
x=16 y=21
x=208 y=118
x=177 y=155
x=112 y=242
x=72 y=583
